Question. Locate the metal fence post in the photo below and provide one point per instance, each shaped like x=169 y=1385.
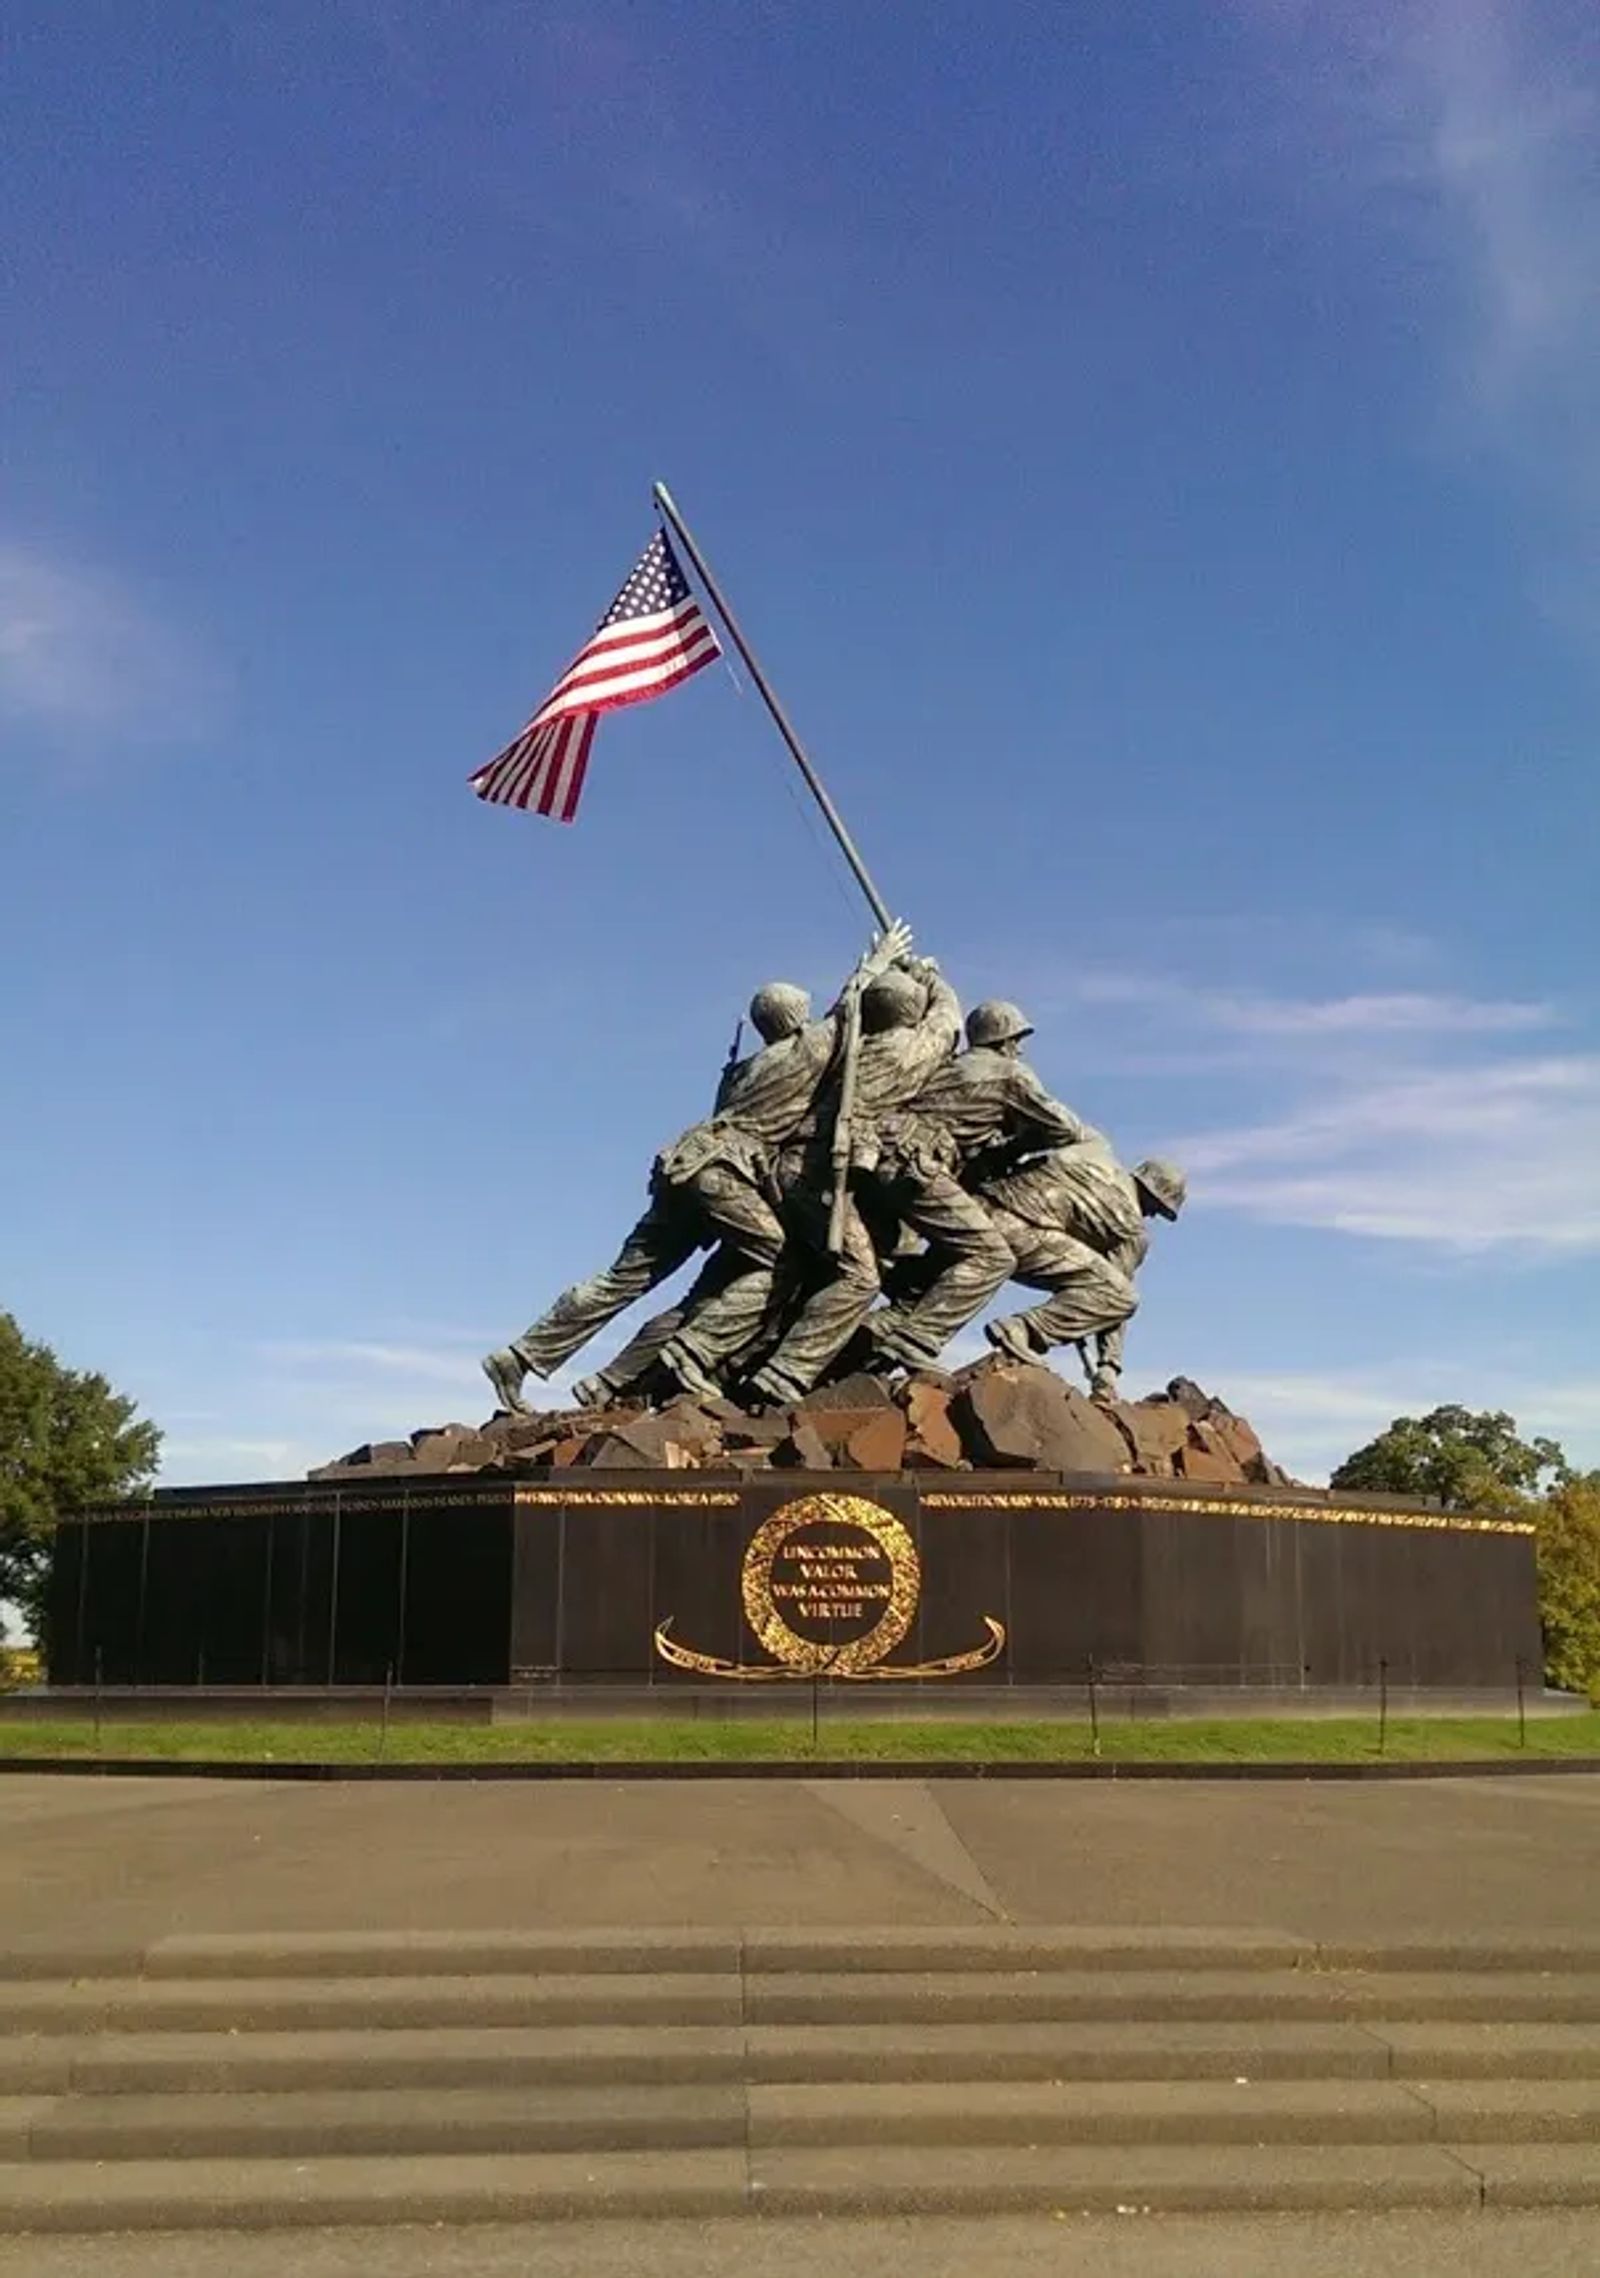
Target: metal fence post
x=1383 y=1705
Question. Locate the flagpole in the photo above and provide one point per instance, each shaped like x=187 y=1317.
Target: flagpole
x=780 y=719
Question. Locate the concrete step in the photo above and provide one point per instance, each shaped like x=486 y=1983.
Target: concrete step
x=523 y=1953
x=1170 y=2178
x=1172 y=2049
x=1175 y=2112
x=245 y=2194
x=430 y=2122
x=1512 y=2111
x=423 y=1953
x=444 y=1953
x=404 y=2123
x=311 y=2004
x=1520 y=2051
x=264 y=2080
x=395 y=2122
x=1015 y=1948
x=979 y=1997
x=1536 y=2175
x=1544 y=1951
x=603 y=2055
x=1022 y=2050
x=858 y=2115
x=1147 y=2178
x=396 y=2057
x=450 y=2057
x=260 y=2194
x=43 y=2007
x=755 y=1952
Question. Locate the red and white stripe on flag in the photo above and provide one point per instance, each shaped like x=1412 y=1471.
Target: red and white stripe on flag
x=651 y=637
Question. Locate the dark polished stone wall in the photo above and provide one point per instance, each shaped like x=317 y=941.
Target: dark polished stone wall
x=680 y=1579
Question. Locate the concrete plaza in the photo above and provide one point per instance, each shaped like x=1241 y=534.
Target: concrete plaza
x=107 y=1863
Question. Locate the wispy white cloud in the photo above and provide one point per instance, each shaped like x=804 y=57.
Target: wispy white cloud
x=1507 y=109
x=196 y=1461
x=1408 y=1117
x=343 y=1357
x=1249 y=1013
x=82 y=655
x=1471 y=128
x=1499 y=1155
x=311 y=1399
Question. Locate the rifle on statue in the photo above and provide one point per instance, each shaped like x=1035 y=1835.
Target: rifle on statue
x=843 y=1136
x=732 y=1061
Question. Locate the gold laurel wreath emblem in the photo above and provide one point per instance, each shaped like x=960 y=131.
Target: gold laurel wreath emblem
x=854 y=1657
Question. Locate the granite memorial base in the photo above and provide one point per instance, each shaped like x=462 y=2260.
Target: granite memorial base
x=909 y=1589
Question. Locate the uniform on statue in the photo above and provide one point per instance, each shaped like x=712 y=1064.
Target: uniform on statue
x=910 y=1021
x=985 y=1106
x=711 y=1186
x=1075 y=1222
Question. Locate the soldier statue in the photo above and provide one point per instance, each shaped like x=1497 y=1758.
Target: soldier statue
x=910 y=1021
x=711 y=1186
x=1075 y=1223
x=976 y=1116
x=830 y=1149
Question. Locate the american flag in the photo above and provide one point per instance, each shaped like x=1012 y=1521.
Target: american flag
x=651 y=637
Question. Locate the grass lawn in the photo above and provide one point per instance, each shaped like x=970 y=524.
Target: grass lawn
x=768 y=1740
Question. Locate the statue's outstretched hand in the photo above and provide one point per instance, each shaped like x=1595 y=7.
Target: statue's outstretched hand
x=894 y=941
x=890 y=948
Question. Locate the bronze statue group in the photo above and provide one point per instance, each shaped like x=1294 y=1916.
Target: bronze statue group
x=864 y=1188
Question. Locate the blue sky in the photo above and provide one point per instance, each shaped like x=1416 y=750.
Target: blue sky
x=1157 y=453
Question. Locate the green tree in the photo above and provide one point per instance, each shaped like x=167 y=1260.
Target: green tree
x=1569 y=1583
x=66 y=1439
x=1468 y=1460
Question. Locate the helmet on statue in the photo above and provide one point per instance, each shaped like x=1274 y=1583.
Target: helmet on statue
x=996 y=1021
x=779 y=1009
x=1163 y=1182
x=893 y=1000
